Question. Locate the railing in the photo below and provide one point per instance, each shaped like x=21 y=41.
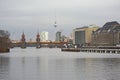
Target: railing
x=92 y=50
x=100 y=50
x=43 y=44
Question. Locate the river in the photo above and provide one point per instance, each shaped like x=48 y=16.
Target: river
x=52 y=64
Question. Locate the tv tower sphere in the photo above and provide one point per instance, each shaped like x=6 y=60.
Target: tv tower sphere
x=55 y=25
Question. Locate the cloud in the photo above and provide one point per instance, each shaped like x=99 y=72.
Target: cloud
x=40 y=14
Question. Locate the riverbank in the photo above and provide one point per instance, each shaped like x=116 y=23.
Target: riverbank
x=4 y=50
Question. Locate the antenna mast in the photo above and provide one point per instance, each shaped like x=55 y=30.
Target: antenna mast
x=55 y=23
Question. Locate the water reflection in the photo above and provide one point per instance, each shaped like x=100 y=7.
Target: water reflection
x=103 y=69
x=54 y=67
x=4 y=68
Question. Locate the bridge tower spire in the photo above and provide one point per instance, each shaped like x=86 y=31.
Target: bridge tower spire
x=23 y=41
x=38 y=40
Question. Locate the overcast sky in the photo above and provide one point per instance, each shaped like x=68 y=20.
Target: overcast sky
x=30 y=16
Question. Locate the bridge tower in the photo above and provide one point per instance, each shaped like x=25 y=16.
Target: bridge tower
x=23 y=41
x=38 y=45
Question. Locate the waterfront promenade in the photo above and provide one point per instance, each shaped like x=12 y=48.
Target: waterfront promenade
x=111 y=49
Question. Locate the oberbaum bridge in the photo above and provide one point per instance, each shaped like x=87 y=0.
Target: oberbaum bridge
x=38 y=44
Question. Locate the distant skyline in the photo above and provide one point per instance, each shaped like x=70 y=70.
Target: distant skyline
x=30 y=16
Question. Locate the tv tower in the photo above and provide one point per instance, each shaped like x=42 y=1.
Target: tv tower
x=55 y=23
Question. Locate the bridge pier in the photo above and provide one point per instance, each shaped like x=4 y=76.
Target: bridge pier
x=38 y=45
x=23 y=41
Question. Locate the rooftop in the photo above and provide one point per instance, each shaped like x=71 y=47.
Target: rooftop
x=4 y=33
x=109 y=27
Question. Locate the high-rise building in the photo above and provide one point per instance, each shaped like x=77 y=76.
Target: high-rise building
x=82 y=36
x=44 y=36
x=58 y=36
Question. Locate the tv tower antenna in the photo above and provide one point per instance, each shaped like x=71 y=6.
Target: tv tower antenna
x=55 y=23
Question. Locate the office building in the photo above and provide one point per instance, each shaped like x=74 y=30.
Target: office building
x=108 y=35
x=82 y=36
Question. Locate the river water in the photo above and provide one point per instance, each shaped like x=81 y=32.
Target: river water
x=52 y=64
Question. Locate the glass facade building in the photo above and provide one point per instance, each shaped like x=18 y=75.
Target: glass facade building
x=80 y=37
